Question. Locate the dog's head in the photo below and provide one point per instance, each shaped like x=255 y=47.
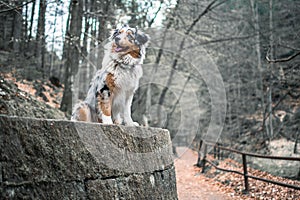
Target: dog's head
x=129 y=41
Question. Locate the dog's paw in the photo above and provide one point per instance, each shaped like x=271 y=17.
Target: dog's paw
x=132 y=124
x=136 y=124
x=106 y=119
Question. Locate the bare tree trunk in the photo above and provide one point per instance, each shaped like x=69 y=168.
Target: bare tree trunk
x=93 y=50
x=270 y=123
x=92 y=42
x=157 y=61
x=31 y=20
x=17 y=29
x=84 y=72
x=40 y=37
x=53 y=41
x=25 y=36
x=62 y=71
x=72 y=54
x=258 y=52
x=239 y=103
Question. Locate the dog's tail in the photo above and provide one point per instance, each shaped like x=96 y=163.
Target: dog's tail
x=84 y=112
x=87 y=110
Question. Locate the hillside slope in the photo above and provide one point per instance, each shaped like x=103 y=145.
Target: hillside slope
x=16 y=102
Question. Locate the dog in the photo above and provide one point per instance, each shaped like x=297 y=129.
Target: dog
x=111 y=91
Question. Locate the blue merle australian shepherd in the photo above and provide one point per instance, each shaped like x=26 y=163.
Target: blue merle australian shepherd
x=111 y=91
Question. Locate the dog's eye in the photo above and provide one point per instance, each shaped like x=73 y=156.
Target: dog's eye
x=130 y=32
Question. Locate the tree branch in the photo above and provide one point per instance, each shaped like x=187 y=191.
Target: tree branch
x=282 y=59
x=15 y=8
x=221 y=40
x=156 y=13
x=199 y=17
x=210 y=7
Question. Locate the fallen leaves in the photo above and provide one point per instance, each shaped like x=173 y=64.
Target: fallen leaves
x=48 y=93
x=215 y=184
x=257 y=189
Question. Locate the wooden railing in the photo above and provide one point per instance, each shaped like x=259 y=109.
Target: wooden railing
x=217 y=148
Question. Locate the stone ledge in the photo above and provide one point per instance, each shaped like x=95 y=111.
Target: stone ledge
x=42 y=158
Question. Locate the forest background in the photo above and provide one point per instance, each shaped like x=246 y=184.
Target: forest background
x=225 y=70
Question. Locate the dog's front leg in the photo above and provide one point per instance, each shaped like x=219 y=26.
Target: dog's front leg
x=127 y=112
x=118 y=107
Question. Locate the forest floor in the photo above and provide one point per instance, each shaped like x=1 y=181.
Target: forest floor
x=214 y=184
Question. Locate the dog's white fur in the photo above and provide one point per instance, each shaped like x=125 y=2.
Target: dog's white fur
x=127 y=71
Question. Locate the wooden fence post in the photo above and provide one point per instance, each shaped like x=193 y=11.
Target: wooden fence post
x=199 y=154
x=203 y=161
x=245 y=173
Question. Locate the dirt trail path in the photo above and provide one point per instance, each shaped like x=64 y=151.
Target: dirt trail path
x=190 y=184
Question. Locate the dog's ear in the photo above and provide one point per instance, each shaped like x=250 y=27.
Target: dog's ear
x=141 y=38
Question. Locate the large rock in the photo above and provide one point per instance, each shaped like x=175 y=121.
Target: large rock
x=55 y=159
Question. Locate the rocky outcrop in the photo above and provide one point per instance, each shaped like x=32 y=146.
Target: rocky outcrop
x=55 y=159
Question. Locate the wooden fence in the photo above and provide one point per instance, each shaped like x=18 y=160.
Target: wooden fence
x=217 y=148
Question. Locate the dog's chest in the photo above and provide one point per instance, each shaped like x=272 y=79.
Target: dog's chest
x=127 y=79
